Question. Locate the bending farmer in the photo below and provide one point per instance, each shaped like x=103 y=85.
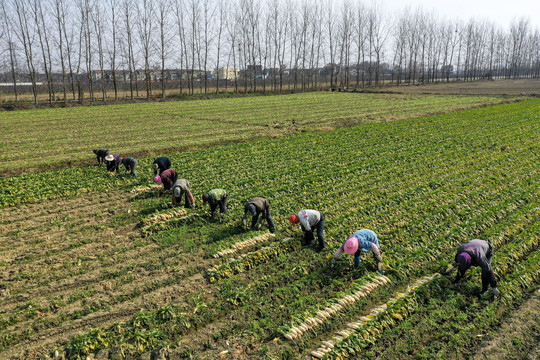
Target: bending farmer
x=362 y=240
x=113 y=161
x=477 y=253
x=182 y=187
x=310 y=220
x=216 y=197
x=161 y=164
x=259 y=206
x=167 y=178
x=100 y=154
x=130 y=164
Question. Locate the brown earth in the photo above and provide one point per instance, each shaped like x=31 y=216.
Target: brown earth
x=521 y=87
x=518 y=337
x=73 y=264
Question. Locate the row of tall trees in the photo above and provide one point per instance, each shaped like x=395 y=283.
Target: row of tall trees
x=278 y=45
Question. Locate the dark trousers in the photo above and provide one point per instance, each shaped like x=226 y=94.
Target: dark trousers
x=268 y=218
x=187 y=198
x=131 y=167
x=222 y=203
x=308 y=235
x=488 y=277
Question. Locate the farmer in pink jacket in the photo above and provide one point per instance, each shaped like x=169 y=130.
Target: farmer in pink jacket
x=363 y=240
x=310 y=220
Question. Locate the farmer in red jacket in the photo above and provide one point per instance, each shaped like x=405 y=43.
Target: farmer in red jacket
x=167 y=178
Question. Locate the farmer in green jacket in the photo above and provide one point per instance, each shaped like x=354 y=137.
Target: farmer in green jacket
x=216 y=197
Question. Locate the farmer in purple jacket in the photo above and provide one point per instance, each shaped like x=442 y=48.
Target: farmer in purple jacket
x=167 y=178
x=113 y=161
x=310 y=220
x=363 y=240
x=477 y=253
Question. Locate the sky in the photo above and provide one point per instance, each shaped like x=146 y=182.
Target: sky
x=500 y=12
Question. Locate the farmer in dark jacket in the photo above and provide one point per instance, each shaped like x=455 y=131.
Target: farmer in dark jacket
x=259 y=206
x=363 y=240
x=216 y=197
x=161 y=164
x=113 y=161
x=130 y=164
x=477 y=253
x=167 y=178
x=310 y=220
x=182 y=187
x=101 y=154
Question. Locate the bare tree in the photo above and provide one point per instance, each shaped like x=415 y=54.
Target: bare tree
x=26 y=36
x=330 y=26
x=163 y=10
x=179 y=13
x=97 y=20
x=113 y=5
x=145 y=24
x=85 y=10
x=222 y=17
x=128 y=17
x=11 y=46
x=41 y=28
x=59 y=10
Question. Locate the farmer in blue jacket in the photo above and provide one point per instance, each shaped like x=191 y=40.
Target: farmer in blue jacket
x=363 y=240
x=477 y=253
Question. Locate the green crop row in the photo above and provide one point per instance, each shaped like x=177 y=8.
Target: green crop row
x=55 y=137
x=424 y=185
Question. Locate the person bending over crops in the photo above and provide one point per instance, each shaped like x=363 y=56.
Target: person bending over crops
x=161 y=164
x=363 y=240
x=113 y=161
x=182 y=187
x=130 y=164
x=101 y=154
x=259 y=206
x=167 y=178
x=216 y=197
x=477 y=253
x=310 y=220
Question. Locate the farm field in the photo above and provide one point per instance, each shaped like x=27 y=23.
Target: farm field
x=44 y=139
x=87 y=266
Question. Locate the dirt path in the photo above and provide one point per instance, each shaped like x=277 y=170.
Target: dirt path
x=518 y=337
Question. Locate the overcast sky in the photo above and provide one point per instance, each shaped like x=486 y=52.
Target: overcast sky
x=501 y=12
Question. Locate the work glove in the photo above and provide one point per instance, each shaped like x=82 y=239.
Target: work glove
x=333 y=262
x=496 y=291
x=378 y=258
x=380 y=268
x=244 y=222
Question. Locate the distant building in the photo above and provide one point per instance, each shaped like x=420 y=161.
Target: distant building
x=225 y=73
